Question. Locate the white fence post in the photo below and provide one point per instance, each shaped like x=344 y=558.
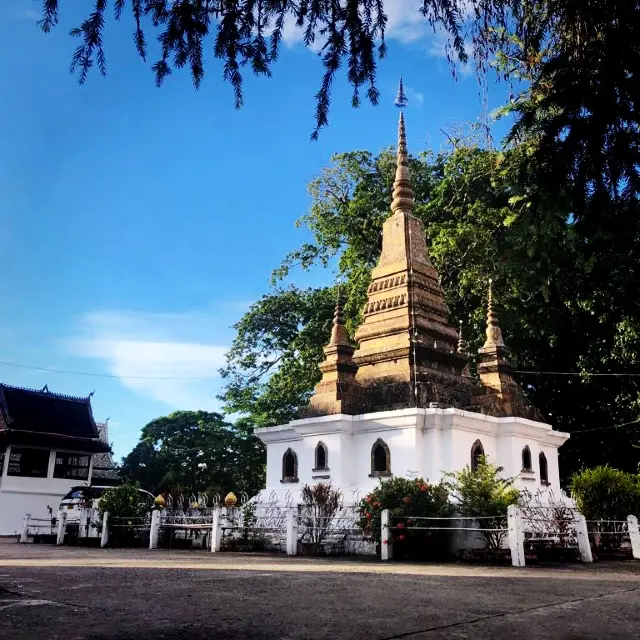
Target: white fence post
x=104 y=536
x=82 y=524
x=25 y=529
x=292 y=532
x=155 y=529
x=386 y=542
x=582 y=534
x=515 y=535
x=62 y=526
x=216 y=531
x=634 y=534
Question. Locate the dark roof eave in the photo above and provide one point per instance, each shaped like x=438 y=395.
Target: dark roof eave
x=40 y=439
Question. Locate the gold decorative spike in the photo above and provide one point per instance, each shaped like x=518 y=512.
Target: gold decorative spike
x=462 y=343
x=502 y=394
x=403 y=196
x=462 y=350
x=493 y=331
x=339 y=333
x=338 y=391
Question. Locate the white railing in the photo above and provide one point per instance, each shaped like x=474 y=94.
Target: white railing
x=290 y=526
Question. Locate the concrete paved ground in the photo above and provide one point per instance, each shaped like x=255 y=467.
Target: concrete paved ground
x=71 y=593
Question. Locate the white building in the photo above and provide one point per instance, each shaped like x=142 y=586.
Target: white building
x=47 y=442
x=353 y=452
x=405 y=403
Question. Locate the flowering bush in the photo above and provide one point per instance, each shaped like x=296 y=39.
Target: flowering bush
x=405 y=497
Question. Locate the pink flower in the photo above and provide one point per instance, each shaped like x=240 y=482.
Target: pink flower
x=401 y=536
x=385 y=542
x=424 y=487
x=409 y=522
x=406 y=499
x=400 y=525
x=367 y=499
x=368 y=516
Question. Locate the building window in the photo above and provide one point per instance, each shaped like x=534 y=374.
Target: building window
x=526 y=459
x=71 y=465
x=289 y=466
x=28 y=463
x=544 y=469
x=380 y=459
x=321 y=457
x=477 y=451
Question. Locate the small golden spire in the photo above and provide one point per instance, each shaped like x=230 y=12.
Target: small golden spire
x=462 y=343
x=462 y=350
x=339 y=334
x=493 y=332
x=403 y=196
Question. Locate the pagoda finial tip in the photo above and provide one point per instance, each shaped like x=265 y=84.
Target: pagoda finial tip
x=401 y=98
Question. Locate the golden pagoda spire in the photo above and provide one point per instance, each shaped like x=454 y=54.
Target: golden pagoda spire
x=493 y=331
x=337 y=391
x=403 y=196
x=502 y=394
x=406 y=344
x=339 y=334
x=462 y=350
x=462 y=343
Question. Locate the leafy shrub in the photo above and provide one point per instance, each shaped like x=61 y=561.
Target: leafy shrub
x=123 y=502
x=403 y=497
x=605 y=493
x=124 y=505
x=482 y=492
x=320 y=504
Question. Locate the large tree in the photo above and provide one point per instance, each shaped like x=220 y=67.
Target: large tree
x=568 y=291
x=196 y=451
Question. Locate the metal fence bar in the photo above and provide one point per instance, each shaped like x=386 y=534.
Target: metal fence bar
x=448 y=518
x=444 y=529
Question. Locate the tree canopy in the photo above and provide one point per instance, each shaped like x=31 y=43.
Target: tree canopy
x=567 y=290
x=195 y=451
x=573 y=65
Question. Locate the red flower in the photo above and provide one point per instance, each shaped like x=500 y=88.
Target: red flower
x=409 y=522
x=367 y=499
x=376 y=504
x=424 y=487
x=406 y=499
x=401 y=536
x=385 y=542
x=368 y=516
x=400 y=525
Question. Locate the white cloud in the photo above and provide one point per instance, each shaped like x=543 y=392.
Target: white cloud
x=414 y=96
x=31 y=15
x=438 y=49
x=404 y=20
x=140 y=346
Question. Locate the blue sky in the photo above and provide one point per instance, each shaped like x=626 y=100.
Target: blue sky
x=137 y=224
